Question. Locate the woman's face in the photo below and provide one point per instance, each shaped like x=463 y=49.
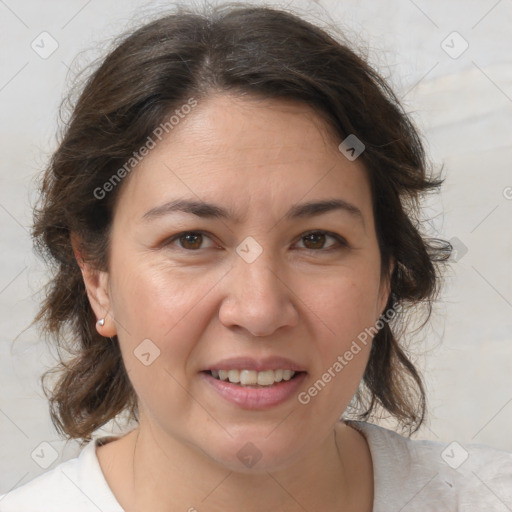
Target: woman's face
x=247 y=278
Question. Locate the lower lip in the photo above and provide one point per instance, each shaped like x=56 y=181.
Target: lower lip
x=256 y=398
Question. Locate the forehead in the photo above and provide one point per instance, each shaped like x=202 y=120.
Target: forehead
x=243 y=152
x=249 y=118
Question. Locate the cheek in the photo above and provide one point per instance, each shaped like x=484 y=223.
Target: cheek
x=152 y=296
x=346 y=311
x=343 y=307
x=163 y=305
x=163 y=316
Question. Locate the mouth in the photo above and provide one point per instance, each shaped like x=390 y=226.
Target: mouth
x=254 y=389
x=254 y=379
x=254 y=383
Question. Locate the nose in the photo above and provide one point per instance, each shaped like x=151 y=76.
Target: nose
x=258 y=298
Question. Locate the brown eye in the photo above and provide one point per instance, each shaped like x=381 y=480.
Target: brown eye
x=315 y=241
x=191 y=241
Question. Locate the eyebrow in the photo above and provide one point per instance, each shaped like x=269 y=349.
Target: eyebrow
x=209 y=210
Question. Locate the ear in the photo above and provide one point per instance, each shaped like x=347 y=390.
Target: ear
x=96 y=284
x=385 y=286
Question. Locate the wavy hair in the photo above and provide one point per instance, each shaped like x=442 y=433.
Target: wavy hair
x=243 y=50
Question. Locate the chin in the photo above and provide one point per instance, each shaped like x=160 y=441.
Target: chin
x=255 y=454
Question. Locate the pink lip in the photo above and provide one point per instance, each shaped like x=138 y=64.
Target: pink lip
x=256 y=398
x=259 y=365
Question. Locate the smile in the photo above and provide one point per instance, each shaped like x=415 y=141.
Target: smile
x=252 y=377
x=255 y=390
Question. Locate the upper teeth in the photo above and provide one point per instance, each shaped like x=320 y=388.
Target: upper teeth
x=252 y=377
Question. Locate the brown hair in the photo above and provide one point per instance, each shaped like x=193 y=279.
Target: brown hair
x=237 y=49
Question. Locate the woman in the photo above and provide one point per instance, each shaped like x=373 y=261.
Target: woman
x=232 y=213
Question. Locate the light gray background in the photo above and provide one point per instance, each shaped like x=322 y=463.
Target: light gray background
x=463 y=106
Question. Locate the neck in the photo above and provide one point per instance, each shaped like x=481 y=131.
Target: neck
x=166 y=474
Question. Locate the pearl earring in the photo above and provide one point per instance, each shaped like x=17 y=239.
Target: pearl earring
x=100 y=322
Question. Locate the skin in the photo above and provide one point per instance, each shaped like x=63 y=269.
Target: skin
x=200 y=305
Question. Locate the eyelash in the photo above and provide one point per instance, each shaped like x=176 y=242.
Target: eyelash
x=341 y=242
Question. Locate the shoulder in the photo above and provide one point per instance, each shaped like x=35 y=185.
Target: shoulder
x=412 y=475
x=76 y=484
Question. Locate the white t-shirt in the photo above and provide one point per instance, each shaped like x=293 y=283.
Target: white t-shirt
x=409 y=475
